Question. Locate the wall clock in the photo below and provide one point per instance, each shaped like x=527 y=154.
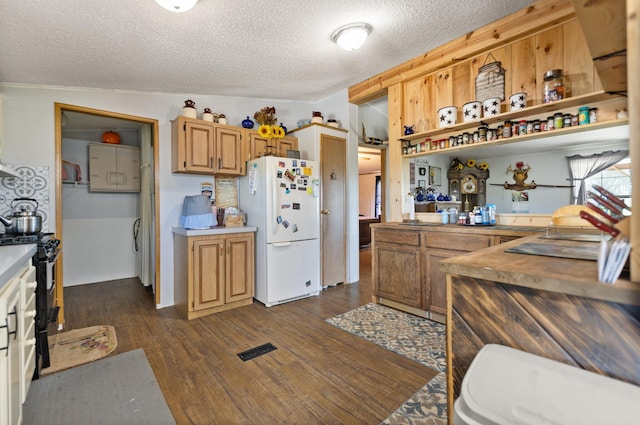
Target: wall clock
x=469 y=184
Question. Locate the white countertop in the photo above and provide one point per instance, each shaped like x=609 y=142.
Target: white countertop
x=12 y=258
x=218 y=230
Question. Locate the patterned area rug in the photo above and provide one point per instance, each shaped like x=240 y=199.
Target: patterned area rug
x=419 y=339
x=80 y=346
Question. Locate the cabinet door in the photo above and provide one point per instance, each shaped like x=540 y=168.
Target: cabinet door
x=198 y=149
x=287 y=143
x=257 y=146
x=228 y=147
x=240 y=272
x=436 y=286
x=399 y=274
x=208 y=273
x=102 y=168
x=128 y=168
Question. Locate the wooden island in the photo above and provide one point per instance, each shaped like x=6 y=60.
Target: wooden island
x=551 y=307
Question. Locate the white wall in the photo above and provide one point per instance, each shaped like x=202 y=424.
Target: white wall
x=27 y=135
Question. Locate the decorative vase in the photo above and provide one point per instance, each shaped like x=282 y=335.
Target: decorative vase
x=207 y=115
x=247 y=123
x=189 y=109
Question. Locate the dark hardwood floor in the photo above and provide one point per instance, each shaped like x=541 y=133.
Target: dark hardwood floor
x=318 y=375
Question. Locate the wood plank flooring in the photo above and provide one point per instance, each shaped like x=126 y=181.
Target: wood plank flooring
x=318 y=375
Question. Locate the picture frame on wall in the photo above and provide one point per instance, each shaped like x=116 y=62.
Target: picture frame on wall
x=435 y=176
x=421 y=184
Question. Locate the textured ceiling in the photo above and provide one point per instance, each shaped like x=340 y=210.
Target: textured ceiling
x=260 y=49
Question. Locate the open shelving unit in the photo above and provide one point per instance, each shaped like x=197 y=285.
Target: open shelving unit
x=616 y=129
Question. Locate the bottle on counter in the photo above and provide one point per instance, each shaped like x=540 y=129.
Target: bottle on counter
x=492 y=214
x=445 y=216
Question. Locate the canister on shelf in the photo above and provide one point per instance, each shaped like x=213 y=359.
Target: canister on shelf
x=583 y=115
x=529 y=127
x=567 y=120
x=550 y=123
x=536 y=126
x=574 y=120
x=465 y=138
x=506 y=129
x=553 y=86
x=558 y=120
x=593 y=115
x=482 y=133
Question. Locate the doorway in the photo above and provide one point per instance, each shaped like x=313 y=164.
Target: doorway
x=68 y=116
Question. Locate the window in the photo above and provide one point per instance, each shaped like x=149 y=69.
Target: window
x=616 y=179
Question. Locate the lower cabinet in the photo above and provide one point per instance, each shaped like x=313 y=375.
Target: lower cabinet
x=398 y=261
x=406 y=266
x=213 y=273
x=17 y=342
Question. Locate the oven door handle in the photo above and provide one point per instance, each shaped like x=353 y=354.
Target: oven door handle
x=54 y=257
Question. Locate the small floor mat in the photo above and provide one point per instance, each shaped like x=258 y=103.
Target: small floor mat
x=252 y=353
x=79 y=346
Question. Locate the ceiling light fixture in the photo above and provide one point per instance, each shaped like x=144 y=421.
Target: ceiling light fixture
x=352 y=36
x=177 y=5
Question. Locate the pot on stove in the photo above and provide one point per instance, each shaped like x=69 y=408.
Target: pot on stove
x=23 y=221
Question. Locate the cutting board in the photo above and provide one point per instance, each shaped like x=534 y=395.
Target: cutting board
x=587 y=251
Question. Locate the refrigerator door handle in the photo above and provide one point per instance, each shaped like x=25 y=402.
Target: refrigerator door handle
x=274 y=200
x=281 y=244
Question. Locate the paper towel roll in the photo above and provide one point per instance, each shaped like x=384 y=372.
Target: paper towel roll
x=412 y=207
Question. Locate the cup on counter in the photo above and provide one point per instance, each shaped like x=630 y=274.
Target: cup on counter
x=447 y=116
x=518 y=101
x=491 y=106
x=472 y=111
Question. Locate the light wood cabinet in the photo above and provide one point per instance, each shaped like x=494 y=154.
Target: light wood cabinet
x=114 y=168
x=213 y=273
x=202 y=147
x=258 y=146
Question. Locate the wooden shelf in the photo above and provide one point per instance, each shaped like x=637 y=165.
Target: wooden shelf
x=546 y=140
x=543 y=108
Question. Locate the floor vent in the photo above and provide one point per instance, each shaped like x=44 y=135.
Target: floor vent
x=257 y=351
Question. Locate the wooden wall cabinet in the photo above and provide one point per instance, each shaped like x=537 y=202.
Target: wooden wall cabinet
x=202 y=147
x=258 y=146
x=114 y=168
x=213 y=273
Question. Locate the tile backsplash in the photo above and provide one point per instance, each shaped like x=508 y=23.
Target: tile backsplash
x=33 y=182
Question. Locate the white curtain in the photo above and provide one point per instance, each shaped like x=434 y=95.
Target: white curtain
x=146 y=208
x=582 y=167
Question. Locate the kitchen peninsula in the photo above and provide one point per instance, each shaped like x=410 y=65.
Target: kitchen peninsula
x=551 y=307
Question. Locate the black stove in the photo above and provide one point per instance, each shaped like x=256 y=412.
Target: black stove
x=48 y=248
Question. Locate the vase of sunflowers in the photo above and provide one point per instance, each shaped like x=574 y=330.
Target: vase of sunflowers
x=268 y=129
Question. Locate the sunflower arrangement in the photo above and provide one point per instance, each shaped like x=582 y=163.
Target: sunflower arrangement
x=266 y=117
x=471 y=163
x=482 y=166
x=271 y=131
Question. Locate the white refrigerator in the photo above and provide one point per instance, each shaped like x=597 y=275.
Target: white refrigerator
x=281 y=198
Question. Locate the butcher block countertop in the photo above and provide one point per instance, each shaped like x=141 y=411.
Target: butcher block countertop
x=498 y=230
x=561 y=275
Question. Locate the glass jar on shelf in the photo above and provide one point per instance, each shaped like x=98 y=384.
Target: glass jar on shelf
x=553 y=87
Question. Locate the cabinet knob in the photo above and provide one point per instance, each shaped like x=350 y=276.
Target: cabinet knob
x=325 y=211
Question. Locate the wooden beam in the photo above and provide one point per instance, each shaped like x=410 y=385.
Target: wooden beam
x=633 y=67
x=539 y=16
